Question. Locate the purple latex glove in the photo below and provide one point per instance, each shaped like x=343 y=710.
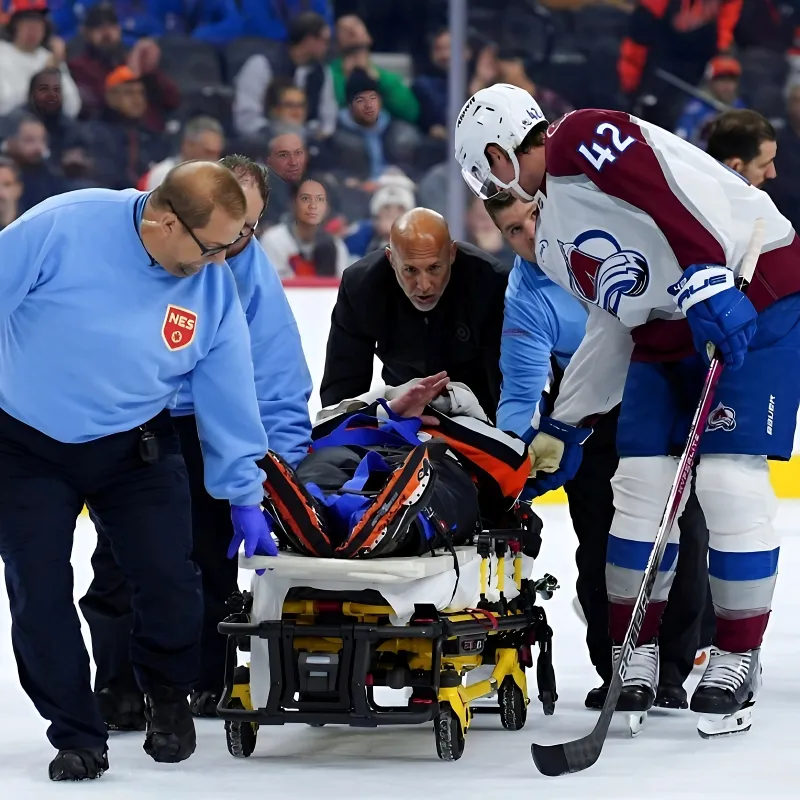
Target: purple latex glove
x=251 y=526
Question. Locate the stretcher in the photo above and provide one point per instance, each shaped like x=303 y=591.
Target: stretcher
x=324 y=636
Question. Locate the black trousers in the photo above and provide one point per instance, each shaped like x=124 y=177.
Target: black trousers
x=688 y=615
x=107 y=605
x=143 y=511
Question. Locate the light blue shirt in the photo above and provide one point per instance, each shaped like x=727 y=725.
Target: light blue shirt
x=540 y=320
x=95 y=339
x=282 y=380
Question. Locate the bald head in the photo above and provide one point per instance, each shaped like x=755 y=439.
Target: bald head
x=418 y=229
x=421 y=253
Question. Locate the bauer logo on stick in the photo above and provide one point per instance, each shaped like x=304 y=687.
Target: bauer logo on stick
x=179 y=327
x=721 y=418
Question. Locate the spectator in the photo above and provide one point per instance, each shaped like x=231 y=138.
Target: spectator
x=26 y=145
x=745 y=141
x=301 y=247
x=367 y=140
x=126 y=148
x=273 y=20
x=354 y=45
x=302 y=62
x=287 y=103
x=511 y=69
x=214 y=21
x=431 y=88
x=25 y=54
x=10 y=192
x=678 y=37
x=388 y=204
x=287 y=161
x=722 y=83
x=203 y=139
x=104 y=51
x=785 y=189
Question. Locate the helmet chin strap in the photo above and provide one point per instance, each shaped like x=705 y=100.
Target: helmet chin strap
x=514 y=186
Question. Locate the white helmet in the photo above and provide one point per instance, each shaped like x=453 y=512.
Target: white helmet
x=503 y=115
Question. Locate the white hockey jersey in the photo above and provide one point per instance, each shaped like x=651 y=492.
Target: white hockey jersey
x=625 y=207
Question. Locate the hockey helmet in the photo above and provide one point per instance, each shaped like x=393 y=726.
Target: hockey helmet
x=503 y=115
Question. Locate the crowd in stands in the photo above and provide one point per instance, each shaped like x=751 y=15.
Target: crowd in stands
x=114 y=94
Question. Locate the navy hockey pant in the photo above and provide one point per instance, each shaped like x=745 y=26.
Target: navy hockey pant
x=107 y=604
x=144 y=511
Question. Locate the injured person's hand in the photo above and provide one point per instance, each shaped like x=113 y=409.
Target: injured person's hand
x=413 y=401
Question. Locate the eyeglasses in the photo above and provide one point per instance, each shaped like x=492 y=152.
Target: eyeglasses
x=205 y=250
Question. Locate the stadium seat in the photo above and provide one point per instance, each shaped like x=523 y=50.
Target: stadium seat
x=189 y=62
x=239 y=50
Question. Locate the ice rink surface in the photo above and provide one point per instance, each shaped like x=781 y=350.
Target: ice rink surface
x=668 y=760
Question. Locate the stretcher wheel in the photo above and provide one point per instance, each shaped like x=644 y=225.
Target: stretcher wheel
x=449 y=734
x=513 y=709
x=240 y=736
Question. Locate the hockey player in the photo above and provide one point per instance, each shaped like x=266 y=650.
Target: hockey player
x=543 y=327
x=650 y=231
x=398 y=471
x=283 y=387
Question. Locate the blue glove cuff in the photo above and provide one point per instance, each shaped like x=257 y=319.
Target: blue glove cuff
x=566 y=433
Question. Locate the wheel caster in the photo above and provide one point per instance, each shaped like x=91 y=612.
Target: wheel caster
x=513 y=708
x=548 y=700
x=449 y=734
x=240 y=736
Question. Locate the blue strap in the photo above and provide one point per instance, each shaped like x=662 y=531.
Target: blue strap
x=364 y=430
x=345 y=509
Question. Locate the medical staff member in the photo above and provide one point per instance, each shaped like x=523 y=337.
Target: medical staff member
x=543 y=327
x=109 y=301
x=283 y=388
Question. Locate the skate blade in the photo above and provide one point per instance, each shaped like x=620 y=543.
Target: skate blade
x=636 y=723
x=718 y=725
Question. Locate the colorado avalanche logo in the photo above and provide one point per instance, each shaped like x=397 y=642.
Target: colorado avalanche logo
x=601 y=272
x=721 y=418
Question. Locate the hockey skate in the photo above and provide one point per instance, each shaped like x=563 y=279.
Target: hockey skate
x=725 y=696
x=639 y=689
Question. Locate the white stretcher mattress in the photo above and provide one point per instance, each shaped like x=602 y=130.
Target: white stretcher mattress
x=402 y=582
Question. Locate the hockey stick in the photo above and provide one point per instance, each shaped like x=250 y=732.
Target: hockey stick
x=580 y=754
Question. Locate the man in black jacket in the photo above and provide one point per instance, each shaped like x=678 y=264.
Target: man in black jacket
x=425 y=304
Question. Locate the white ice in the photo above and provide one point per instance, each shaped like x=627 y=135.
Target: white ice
x=668 y=760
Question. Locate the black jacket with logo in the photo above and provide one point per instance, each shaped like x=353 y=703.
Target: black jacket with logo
x=461 y=334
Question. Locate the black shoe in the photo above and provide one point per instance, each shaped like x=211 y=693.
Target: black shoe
x=596 y=697
x=78 y=765
x=671 y=695
x=170 y=734
x=121 y=710
x=204 y=703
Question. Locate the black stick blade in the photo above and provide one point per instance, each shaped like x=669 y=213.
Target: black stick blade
x=562 y=759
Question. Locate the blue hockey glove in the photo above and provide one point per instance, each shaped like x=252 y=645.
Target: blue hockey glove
x=251 y=526
x=555 y=453
x=717 y=312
